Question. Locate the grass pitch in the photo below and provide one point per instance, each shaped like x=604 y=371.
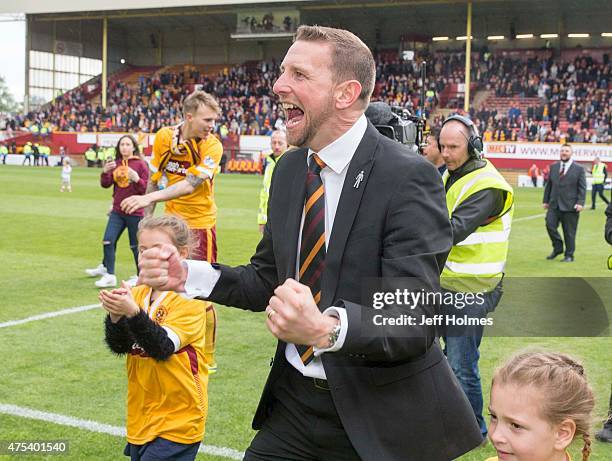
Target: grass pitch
x=61 y=365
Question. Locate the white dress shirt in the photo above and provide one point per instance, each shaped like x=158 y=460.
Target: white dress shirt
x=565 y=166
x=202 y=277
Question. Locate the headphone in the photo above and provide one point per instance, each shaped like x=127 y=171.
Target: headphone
x=475 y=146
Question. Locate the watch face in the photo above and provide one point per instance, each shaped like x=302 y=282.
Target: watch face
x=335 y=333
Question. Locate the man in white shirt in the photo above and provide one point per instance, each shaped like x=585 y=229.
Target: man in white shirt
x=347 y=206
x=564 y=197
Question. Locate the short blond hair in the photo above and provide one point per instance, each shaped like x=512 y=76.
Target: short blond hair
x=562 y=383
x=351 y=58
x=175 y=227
x=200 y=98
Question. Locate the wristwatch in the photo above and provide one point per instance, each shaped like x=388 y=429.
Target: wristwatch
x=334 y=334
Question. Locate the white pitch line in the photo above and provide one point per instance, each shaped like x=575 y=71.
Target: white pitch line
x=49 y=315
x=528 y=218
x=101 y=428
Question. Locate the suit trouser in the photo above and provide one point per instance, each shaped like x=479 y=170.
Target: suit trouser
x=608 y=422
x=598 y=189
x=569 y=223
x=302 y=426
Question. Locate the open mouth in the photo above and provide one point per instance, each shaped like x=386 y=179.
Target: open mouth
x=294 y=114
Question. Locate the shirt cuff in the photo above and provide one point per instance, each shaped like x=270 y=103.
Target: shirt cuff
x=201 y=279
x=173 y=337
x=339 y=313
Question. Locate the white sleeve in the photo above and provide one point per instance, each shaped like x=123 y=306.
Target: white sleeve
x=339 y=313
x=201 y=279
x=173 y=337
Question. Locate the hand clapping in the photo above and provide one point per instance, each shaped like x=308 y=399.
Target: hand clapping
x=119 y=302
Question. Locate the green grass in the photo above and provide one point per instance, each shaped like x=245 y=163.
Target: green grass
x=61 y=365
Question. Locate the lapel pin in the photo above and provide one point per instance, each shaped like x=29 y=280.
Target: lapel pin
x=358 y=180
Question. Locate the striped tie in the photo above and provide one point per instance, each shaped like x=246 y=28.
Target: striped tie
x=312 y=246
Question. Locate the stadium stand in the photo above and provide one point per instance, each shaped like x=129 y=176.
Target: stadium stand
x=541 y=99
x=521 y=98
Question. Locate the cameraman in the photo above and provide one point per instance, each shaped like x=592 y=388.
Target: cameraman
x=431 y=151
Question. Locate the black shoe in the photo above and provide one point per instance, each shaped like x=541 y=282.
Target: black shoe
x=605 y=435
x=568 y=259
x=554 y=254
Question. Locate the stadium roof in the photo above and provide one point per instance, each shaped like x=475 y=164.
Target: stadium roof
x=147 y=7
x=78 y=6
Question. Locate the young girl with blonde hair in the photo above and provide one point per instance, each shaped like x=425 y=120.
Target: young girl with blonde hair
x=163 y=335
x=540 y=403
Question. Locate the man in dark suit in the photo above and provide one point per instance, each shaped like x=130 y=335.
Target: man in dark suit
x=605 y=434
x=564 y=197
x=346 y=206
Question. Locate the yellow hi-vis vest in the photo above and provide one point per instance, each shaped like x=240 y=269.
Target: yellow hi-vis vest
x=264 y=193
x=109 y=153
x=91 y=155
x=477 y=263
x=598 y=173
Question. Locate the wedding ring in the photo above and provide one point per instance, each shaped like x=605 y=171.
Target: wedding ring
x=271 y=312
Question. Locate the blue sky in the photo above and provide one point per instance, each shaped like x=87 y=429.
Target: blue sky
x=12 y=54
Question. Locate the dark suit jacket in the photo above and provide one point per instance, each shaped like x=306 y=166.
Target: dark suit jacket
x=394 y=391
x=567 y=192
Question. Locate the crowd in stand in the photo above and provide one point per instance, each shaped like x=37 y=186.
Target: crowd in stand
x=399 y=81
x=577 y=91
x=247 y=103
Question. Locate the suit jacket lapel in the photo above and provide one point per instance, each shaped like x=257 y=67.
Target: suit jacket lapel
x=297 y=191
x=348 y=205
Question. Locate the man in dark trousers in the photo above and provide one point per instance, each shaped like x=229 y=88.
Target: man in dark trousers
x=480 y=206
x=599 y=174
x=564 y=197
x=608 y=231
x=347 y=205
x=605 y=434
